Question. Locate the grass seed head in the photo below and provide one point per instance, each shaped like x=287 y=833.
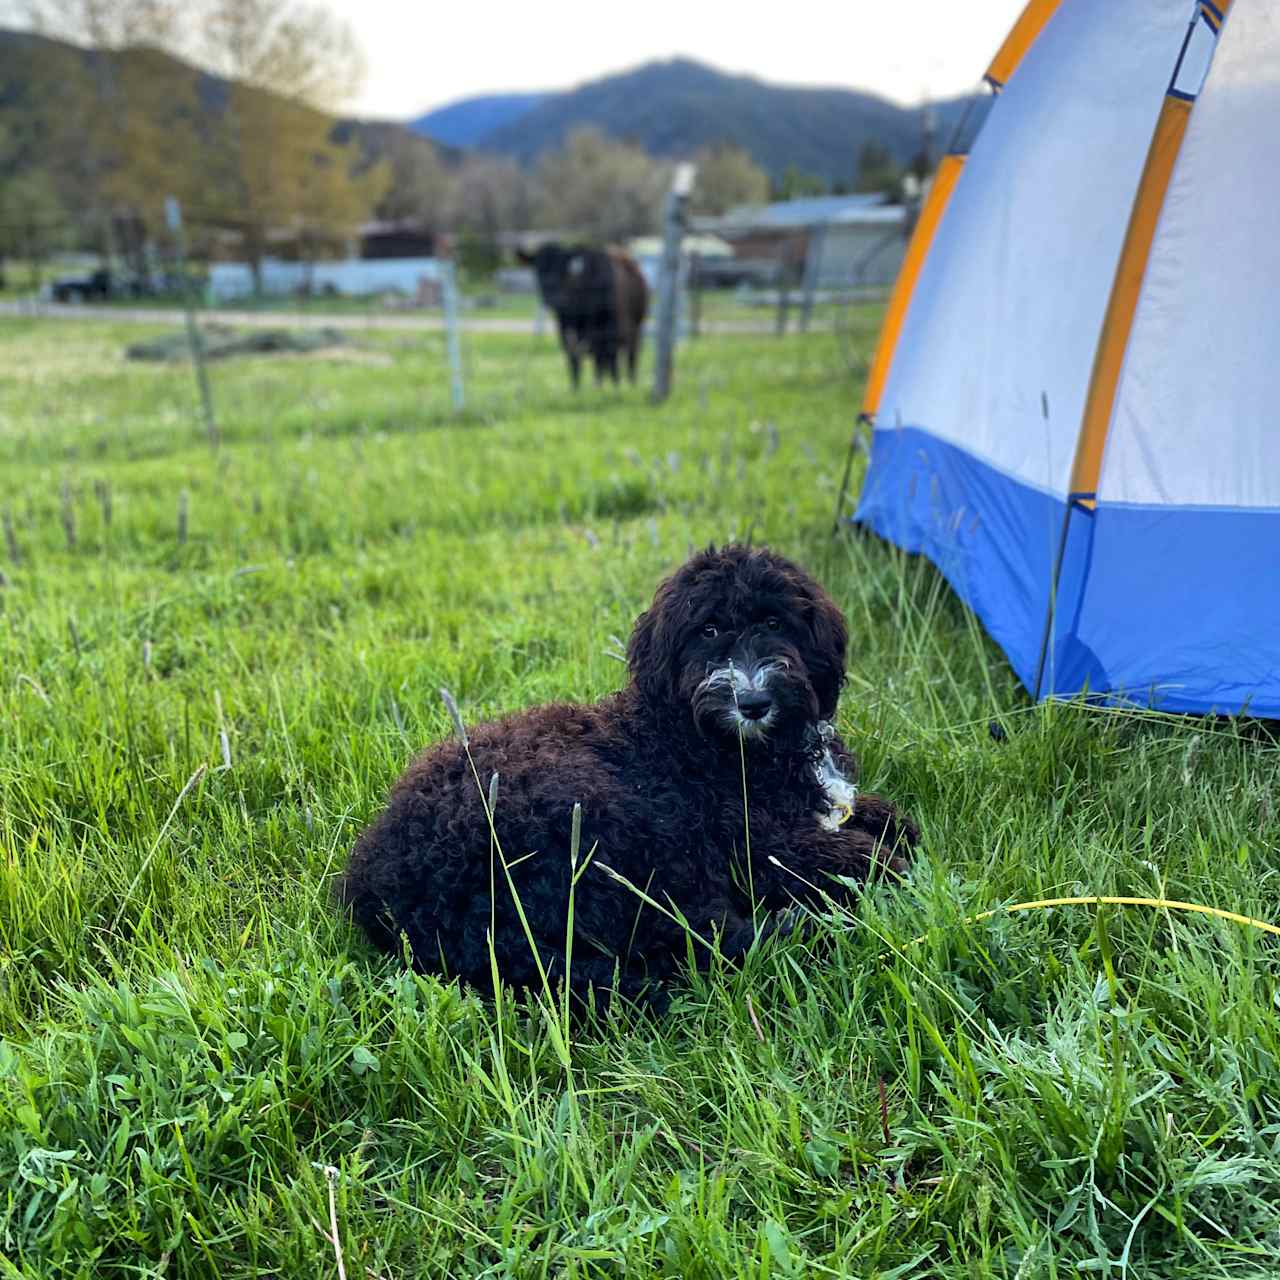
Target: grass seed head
x=451 y=706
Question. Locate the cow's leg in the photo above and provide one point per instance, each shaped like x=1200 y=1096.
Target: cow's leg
x=633 y=350
x=606 y=357
x=610 y=340
x=569 y=341
x=598 y=339
x=607 y=350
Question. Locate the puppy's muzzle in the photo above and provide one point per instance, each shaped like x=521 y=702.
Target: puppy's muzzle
x=755 y=704
x=742 y=696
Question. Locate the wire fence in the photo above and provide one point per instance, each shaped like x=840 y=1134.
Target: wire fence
x=812 y=267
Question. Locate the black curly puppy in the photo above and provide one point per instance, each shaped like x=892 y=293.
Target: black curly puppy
x=735 y=668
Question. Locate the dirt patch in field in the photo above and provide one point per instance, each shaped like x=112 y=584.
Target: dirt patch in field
x=221 y=342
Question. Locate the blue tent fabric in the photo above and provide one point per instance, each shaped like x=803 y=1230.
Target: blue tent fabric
x=1182 y=604
x=1206 y=583
x=992 y=538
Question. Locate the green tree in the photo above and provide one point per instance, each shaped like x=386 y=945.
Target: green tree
x=33 y=222
x=132 y=120
x=419 y=187
x=489 y=195
x=274 y=164
x=478 y=256
x=877 y=170
x=601 y=189
x=727 y=176
x=331 y=200
x=117 y=132
x=795 y=185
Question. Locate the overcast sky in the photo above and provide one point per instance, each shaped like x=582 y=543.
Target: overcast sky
x=423 y=54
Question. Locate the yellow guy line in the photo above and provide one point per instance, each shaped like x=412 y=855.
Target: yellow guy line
x=1163 y=904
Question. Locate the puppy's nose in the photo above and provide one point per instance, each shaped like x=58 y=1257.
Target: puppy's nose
x=754 y=704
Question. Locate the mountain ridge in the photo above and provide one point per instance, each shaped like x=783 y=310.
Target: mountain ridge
x=673 y=107
x=469 y=120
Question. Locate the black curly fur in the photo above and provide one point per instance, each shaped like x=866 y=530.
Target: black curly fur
x=657 y=769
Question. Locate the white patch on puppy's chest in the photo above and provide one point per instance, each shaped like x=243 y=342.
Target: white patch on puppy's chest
x=841 y=794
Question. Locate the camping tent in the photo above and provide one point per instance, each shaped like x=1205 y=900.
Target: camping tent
x=1076 y=399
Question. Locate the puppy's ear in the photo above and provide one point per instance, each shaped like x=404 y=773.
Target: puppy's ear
x=826 y=663
x=649 y=654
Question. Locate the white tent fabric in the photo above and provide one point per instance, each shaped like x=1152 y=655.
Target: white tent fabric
x=1005 y=314
x=1075 y=413
x=1205 y=338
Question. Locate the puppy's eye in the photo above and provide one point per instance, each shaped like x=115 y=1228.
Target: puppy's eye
x=772 y=623
x=710 y=630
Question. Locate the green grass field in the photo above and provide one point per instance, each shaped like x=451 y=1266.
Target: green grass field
x=213 y=665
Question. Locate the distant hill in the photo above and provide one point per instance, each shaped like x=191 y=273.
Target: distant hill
x=674 y=107
x=469 y=122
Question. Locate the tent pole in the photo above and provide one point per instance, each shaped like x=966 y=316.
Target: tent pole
x=848 y=472
x=1052 y=606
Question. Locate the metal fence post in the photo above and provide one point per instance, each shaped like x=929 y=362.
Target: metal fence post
x=673 y=221
x=173 y=217
x=449 y=299
x=695 y=295
x=812 y=272
x=784 y=302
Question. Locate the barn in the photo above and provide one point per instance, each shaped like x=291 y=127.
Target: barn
x=837 y=242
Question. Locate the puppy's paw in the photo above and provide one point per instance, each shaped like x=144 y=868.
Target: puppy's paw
x=894 y=834
x=790 y=922
x=774 y=925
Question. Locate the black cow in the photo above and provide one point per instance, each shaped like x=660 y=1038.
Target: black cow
x=599 y=297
